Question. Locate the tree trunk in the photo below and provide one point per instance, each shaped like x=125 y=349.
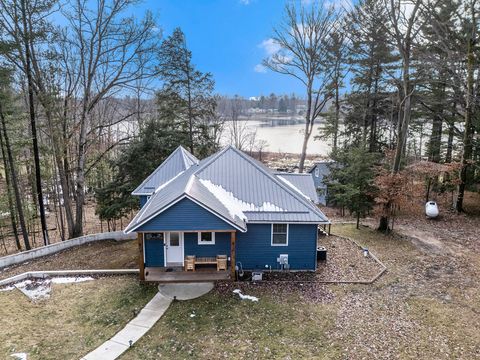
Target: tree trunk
x=468 y=132
x=15 y=184
x=36 y=151
x=11 y=207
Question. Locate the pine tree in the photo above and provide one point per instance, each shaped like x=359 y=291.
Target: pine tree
x=351 y=180
x=190 y=89
x=371 y=58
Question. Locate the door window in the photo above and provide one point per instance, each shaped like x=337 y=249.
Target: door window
x=174 y=239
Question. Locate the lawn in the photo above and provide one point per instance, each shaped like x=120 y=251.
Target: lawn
x=107 y=254
x=424 y=307
x=76 y=319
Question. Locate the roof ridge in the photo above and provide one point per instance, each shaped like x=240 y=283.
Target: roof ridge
x=278 y=182
x=183 y=152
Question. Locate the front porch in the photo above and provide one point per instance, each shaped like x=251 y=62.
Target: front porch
x=177 y=274
x=187 y=256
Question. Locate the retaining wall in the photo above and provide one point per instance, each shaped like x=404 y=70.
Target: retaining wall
x=63 y=245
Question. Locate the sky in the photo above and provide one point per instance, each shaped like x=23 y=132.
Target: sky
x=228 y=38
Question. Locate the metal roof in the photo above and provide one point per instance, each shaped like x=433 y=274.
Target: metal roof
x=302 y=183
x=178 y=161
x=236 y=188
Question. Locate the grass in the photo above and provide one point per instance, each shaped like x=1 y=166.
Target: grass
x=106 y=254
x=425 y=306
x=76 y=319
x=226 y=327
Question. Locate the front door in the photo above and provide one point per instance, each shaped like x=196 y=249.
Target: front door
x=174 y=248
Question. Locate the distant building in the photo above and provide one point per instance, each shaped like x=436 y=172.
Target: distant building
x=319 y=172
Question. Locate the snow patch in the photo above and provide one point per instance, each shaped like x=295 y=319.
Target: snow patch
x=68 y=280
x=7 y=288
x=235 y=206
x=245 y=297
x=39 y=289
x=19 y=356
x=35 y=290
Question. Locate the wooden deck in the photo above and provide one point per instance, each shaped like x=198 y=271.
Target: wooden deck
x=178 y=275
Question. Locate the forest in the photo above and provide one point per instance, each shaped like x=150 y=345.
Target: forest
x=94 y=97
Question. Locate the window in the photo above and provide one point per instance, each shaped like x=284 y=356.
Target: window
x=279 y=234
x=206 y=238
x=317 y=172
x=154 y=236
x=174 y=239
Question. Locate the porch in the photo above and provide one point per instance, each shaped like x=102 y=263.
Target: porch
x=187 y=256
x=177 y=274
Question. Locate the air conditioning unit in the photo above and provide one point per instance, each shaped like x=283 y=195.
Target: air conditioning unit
x=257 y=276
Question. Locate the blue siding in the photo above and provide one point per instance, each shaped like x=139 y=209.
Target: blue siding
x=254 y=248
x=143 y=200
x=221 y=247
x=183 y=216
x=154 y=253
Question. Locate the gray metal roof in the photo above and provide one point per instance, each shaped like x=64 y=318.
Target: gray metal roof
x=236 y=188
x=178 y=161
x=323 y=167
x=302 y=183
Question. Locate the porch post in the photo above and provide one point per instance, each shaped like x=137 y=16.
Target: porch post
x=233 y=239
x=140 y=258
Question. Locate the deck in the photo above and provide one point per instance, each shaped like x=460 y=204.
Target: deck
x=155 y=274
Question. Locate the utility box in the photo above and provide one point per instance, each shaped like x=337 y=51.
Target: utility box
x=321 y=253
x=257 y=276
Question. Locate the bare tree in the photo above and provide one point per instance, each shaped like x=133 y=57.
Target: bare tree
x=113 y=53
x=23 y=24
x=403 y=16
x=303 y=40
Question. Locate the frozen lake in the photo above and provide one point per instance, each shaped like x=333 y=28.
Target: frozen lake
x=282 y=136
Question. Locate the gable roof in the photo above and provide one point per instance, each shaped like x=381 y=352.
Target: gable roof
x=174 y=164
x=302 y=183
x=236 y=188
x=323 y=167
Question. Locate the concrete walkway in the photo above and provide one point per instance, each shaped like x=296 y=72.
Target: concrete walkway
x=148 y=316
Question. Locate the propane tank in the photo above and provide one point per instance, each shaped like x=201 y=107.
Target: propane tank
x=431 y=209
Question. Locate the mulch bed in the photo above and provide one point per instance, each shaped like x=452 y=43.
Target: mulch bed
x=278 y=290
x=345 y=262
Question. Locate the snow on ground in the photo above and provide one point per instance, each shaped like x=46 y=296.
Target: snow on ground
x=245 y=297
x=68 y=280
x=235 y=206
x=35 y=290
x=39 y=289
x=19 y=356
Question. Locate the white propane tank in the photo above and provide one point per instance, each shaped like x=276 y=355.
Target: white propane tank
x=431 y=209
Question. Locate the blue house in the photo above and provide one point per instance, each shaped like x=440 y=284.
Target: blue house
x=227 y=210
x=319 y=172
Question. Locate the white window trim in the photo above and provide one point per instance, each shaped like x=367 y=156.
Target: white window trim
x=271 y=237
x=200 y=242
x=317 y=172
